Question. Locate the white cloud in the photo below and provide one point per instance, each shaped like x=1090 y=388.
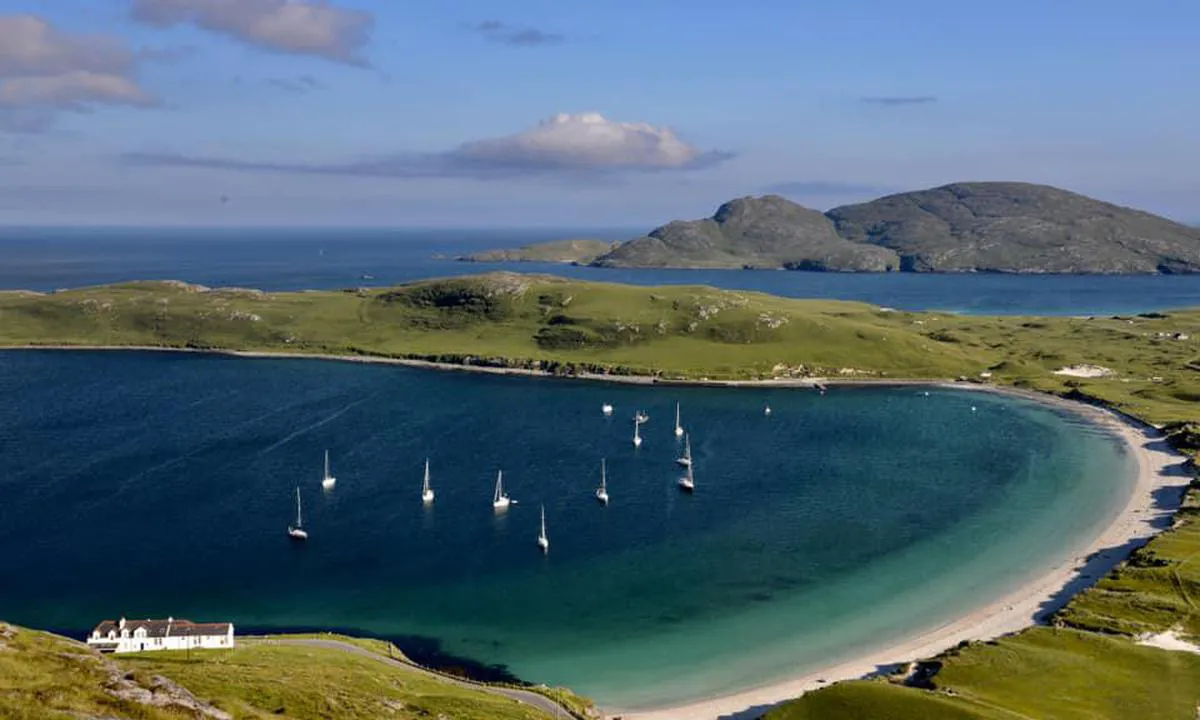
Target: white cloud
x=585 y=144
x=586 y=141
x=30 y=46
x=73 y=91
x=44 y=71
x=292 y=26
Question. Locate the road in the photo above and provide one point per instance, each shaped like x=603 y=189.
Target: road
x=541 y=702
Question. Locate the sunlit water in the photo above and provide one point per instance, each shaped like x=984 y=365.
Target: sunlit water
x=321 y=258
x=163 y=484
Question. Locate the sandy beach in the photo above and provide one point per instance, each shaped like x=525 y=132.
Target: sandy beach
x=1147 y=511
x=1155 y=493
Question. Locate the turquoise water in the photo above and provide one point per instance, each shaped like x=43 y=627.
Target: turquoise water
x=162 y=484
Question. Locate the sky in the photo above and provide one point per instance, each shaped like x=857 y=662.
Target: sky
x=465 y=113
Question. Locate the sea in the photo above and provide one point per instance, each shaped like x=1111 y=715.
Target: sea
x=154 y=484
x=46 y=259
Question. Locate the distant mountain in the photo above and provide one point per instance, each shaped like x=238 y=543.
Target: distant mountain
x=560 y=251
x=964 y=227
x=767 y=231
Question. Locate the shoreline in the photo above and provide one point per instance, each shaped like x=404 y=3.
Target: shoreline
x=1142 y=516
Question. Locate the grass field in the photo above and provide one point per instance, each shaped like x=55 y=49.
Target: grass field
x=45 y=677
x=566 y=326
x=1089 y=667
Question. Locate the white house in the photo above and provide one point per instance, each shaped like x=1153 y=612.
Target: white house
x=124 y=636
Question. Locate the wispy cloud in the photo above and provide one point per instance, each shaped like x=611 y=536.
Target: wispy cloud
x=44 y=72
x=504 y=34
x=587 y=145
x=822 y=188
x=303 y=27
x=894 y=100
x=300 y=85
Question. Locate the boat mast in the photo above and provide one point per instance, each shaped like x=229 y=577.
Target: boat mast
x=299 y=521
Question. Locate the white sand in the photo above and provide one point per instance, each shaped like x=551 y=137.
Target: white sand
x=1141 y=518
x=1084 y=371
x=1169 y=640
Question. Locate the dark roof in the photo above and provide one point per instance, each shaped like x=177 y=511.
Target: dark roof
x=164 y=628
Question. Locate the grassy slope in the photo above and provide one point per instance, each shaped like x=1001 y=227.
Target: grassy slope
x=45 y=677
x=674 y=332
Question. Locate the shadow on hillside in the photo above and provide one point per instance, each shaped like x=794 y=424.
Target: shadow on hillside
x=426 y=651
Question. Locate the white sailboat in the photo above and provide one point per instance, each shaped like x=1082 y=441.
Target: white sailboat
x=543 y=541
x=767 y=410
x=637 y=426
x=687 y=483
x=297 y=531
x=606 y=409
x=678 y=427
x=500 y=501
x=602 y=491
x=686 y=459
x=426 y=491
x=328 y=480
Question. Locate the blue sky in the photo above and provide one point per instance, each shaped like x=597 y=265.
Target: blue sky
x=547 y=113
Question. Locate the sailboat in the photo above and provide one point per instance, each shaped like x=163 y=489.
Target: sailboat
x=500 y=501
x=637 y=436
x=426 y=491
x=602 y=491
x=607 y=409
x=686 y=460
x=767 y=410
x=543 y=541
x=687 y=483
x=678 y=427
x=327 y=480
x=297 y=531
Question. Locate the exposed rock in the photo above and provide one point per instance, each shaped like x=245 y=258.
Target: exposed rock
x=1021 y=228
x=764 y=232
x=964 y=227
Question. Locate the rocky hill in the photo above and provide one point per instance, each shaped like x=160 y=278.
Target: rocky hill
x=768 y=231
x=964 y=227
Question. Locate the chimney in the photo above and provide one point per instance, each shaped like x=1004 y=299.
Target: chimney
x=121 y=624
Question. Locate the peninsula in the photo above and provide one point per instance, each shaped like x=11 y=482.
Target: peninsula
x=1144 y=366
x=576 y=252
x=965 y=227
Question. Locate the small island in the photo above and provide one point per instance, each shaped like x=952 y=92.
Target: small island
x=998 y=227
x=574 y=252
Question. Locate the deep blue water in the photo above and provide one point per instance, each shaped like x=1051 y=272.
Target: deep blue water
x=47 y=259
x=153 y=484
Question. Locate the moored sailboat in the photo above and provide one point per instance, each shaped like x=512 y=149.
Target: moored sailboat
x=297 y=531
x=543 y=541
x=686 y=459
x=500 y=501
x=687 y=483
x=426 y=491
x=327 y=479
x=637 y=435
x=602 y=491
x=678 y=427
